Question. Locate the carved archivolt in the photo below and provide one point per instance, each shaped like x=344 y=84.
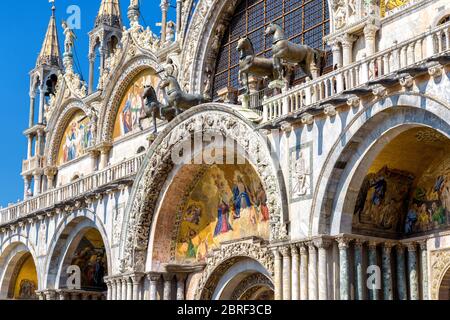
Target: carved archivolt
x=210 y=119
x=56 y=132
x=203 y=42
x=440 y=265
x=247 y=288
x=219 y=261
x=111 y=106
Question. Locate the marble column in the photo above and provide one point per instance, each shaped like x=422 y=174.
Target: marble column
x=413 y=272
x=337 y=53
x=387 y=272
x=360 y=285
x=347 y=49
x=137 y=278
x=295 y=273
x=109 y=293
x=424 y=269
x=104 y=155
x=179 y=17
x=113 y=290
x=164 y=7
x=32 y=104
x=370 y=32
x=37 y=183
x=303 y=272
x=168 y=278
x=91 y=72
x=286 y=252
x=278 y=275
x=181 y=286
x=41 y=104
x=153 y=279
x=312 y=272
x=344 y=271
x=323 y=245
x=124 y=289
x=119 y=289
x=401 y=273
x=373 y=262
x=129 y=288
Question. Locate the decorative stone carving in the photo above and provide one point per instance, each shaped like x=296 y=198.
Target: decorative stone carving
x=440 y=264
x=219 y=261
x=158 y=165
x=256 y=281
x=344 y=12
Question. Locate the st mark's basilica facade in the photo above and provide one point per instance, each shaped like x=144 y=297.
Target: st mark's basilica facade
x=338 y=117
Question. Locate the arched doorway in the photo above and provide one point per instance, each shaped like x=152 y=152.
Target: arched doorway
x=78 y=261
x=444 y=289
x=87 y=251
x=244 y=280
x=18 y=274
x=406 y=190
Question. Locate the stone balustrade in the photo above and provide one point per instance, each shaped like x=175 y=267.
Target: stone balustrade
x=415 y=51
x=116 y=173
x=351 y=268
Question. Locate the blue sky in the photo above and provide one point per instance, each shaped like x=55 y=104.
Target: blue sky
x=24 y=25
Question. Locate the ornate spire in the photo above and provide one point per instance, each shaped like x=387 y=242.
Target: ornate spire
x=50 y=54
x=134 y=12
x=109 y=14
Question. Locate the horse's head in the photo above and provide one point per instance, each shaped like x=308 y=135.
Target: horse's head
x=244 y=47
x=270 y=29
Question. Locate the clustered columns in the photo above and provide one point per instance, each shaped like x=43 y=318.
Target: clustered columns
x=349 y=268
x=70 y=295
x=151 y=286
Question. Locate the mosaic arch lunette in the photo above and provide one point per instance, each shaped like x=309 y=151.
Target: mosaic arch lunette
x=407 y=109
x=53 y=144
x=116 y=89
x=209 y=118
x=202 y=43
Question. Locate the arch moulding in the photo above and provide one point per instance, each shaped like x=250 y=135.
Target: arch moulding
x=210 y=118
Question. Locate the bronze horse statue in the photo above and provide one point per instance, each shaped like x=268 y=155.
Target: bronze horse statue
x=153 y=108
x=302 y=55
x=177 y=99
x=249 y=64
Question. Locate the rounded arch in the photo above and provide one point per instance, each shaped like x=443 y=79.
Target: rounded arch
x=230 y=265
x=11 y=259
x=203 y=39
x=441 y=18
x=444 y=287
x=58 y=126
x=65 y=240
x=359 y=143
x=247 y=275
x=117 y=87
x=209 y=118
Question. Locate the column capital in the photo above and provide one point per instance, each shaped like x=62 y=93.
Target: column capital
x=387 y=246
x=423 y=245
x=370 y=30
x=343 y=242
x=276 y=253
x=168 y=276
x=412 y=246
x=50 y=171
x=347 y=40
x=322 y=243
x=136 y=277
x=154 y=276
x=285 y=251
x=181 y=277
x=359 y=243
x=302 y=248
x=294 y=250
x=372 y=244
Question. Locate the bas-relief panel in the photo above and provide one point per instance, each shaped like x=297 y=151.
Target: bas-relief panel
x=132 y=105
x=76 y=139
x=90 y=256
x=301 y=172
x=228 y=203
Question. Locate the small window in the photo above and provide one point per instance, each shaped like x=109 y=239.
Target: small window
x=141 y=150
